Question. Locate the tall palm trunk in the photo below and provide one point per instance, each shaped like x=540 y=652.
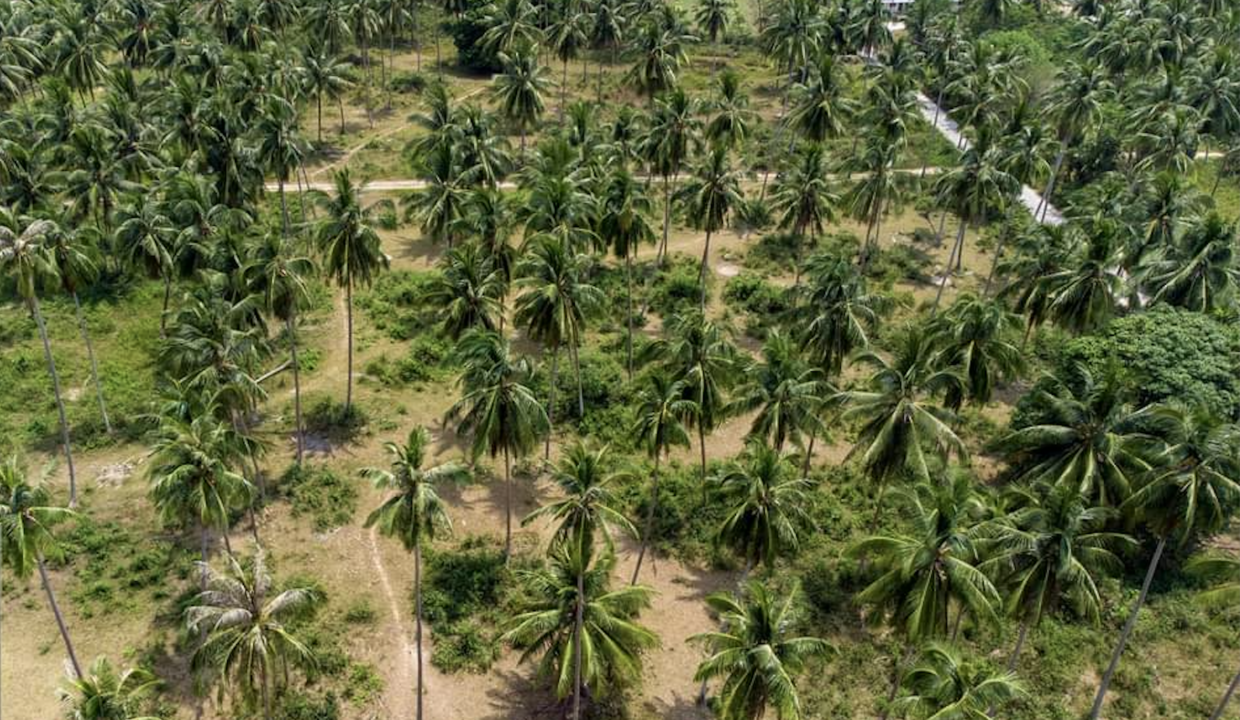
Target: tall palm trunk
x=555 y=372
x=163 y=314
x=701 y=428
x=563 y=92
x=667 y=221
x=1096 y=711
x=628 y=281
x=417 y=612
x=895 y=683
x=809 y=452
x=1222 y=706
x=578 y=628
x=702 y=272
x=318 y=98
x=60 y=402
x=654 y=503
x=340 y=104
x=581 y=399
x=283 y=204
x=1044 y=203
x=94 y=366
x=507 y=505
x=957 y=250
x=60 y=620
x=348 y=302
x=289 y=326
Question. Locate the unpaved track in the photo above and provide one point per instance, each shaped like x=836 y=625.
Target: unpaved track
x=400 y=684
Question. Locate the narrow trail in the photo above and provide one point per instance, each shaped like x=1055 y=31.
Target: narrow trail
x=399 y=686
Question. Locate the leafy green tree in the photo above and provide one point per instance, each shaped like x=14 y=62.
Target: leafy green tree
x=835 y=312
x=519 y=89
x=106 y=694
x=1192 y=489
x=733 y=118
x=468 y=291
x=660 y=53
x=624 y=225
x=710 y=196
x=351 y=250
x=588 y=505
x=802 y=199
x=511 y=25
x=250 y=641
x=971 y=335
x=662 y=412
x=26 y=255
x=766 y=500
x=497 y=410
x=786 y=393
x=1198 y=271
x=713 y=17
x=413 y=512
x=821 y=106
x=326 y=76
x=754 y=654
x=586 y=632
x=673 y=134
x=945 y=683
x=26 y=539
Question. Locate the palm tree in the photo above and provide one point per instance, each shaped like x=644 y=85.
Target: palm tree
x=568 y=37
x=1050 y=551
x=352 y=253
x=971 y=336
x=278 y=273
x=674 y=132
x=662 y=412
x=519 y=88
x=786 y=392
x=795 y=37
x=511 y=26
x=105 y=694
x=1084 y=439
x=280 y=148
x=660 y=53
x=898 y=417
x=468 y=292
x=25 y=255
x=1225 y=573
x=1075 y=103
x=586 y=632
x=1083 y=295
x=75 y=268
x=803 y=200
x=554 y=305
x=624 y=225
x=413 y=512
x=821 y=107
x=588 y=504
x=766 y=500
x=754 y=655
x=711 y=195
x=250 y=641
x=497 y=410
x=1191 y=490
x=1198 y=271
x=26 y=539
x=439 y=206
x=834 y=312
x=713 y=17
x=146 y=239
x=877 y=189
x=947 y=684
x=733 y=117
x=325 y=76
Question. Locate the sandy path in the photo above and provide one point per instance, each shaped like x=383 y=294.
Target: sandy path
x=400 y=685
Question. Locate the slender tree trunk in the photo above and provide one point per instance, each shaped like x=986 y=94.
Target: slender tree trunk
x=387 y=86
x=654 y=503
x=60 y=402
x=956 y=625
x=319 y=102
x=1096 y=712
x=957 y=249
x=628 y=280
x=417 y=613
x=667 y=221
x=1045 y=202
x=581 y=401
x=555 y=371
x=262 y=672
x=348 y=301
x=1222 y=706
x=340 y=101
x=563 y=93
x=895 y=682
x=1011 y=663
x=579 y=627
x=507 y=506
x=60 y=620
x=283 y=205
x=289 y=326
x=438 y=60
x=809 y=452
x=94 y=366
x=163 y=314
x=702 y=272
x=701 y=428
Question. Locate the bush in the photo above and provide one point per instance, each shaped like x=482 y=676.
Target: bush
x=408 y=82
x=296 y=705
x=394 y=303
x=676 y=287
x=467 y=32
x=762 y=301
x=321 y=494
x=329 y=417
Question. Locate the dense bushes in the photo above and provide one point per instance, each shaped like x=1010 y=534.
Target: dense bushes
x=318 y=492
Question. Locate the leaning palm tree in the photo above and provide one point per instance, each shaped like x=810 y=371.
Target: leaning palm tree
x=76 y=268
x=351 y=250
x=250 y=642
x=25 y=254
x=26 y=539
x=1075 y=104
x=945 y=683
x=520 y=87
x=413 y=512
x=766 y=500
x=709 y=197
x=106 y=694
x=497 y=410
x=586 y=633
x=1224 y=573
x=588 y=505
x=754 y=656
x=278 y=273
x=660 y=424
x=1191 y=490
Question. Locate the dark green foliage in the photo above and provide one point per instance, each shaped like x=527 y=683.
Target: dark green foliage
x=334 y=419
x=394 y=303
x=467 y=31
x=423 y=363
x=762 y=302
x=302 y=706
x=408 y=82
x=676 y=287
x=318 y=492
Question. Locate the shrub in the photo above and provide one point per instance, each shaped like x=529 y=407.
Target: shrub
x=408 y=82
x=394 y=303
x=676 y=287
x=295 y=705
x=335 y=419
x=763 y=301
x=321 y=494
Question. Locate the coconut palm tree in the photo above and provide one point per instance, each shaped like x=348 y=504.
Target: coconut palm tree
x=146 y=239
x=497 y=410
x=413 y=512
x=588 y=504
x=511 y=25
x=586 y=633
x=821 y=107
x=25 y=254
x=795 y=36
x=278 y=273
x=326 y=76
x=519 y=88
x=674 y=133
x=971 y=335
x=554 y=304
x=106 y=694
x=711 y=195
x=701 y=356
x=898 y=417
x=754 y=655
x=352 y=254
x=440 y=206
x=624 y=225
x=1085 y=438
x=1191 y=489
x=250 y=641
x=568 y=36
x=945 y=683
x=76 y=268
x=1224 y=573
x=280 y=148
x=26 y=539
x=660 y=53
x=786 y=393
x=733 y=118
x=834 y=312
x=662 y=412
x=802 y=199
x=1051 y=551
x=1075 y=104
x=468 y=292
x=766 y=500
x=713 y=17
x=1198 y=270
